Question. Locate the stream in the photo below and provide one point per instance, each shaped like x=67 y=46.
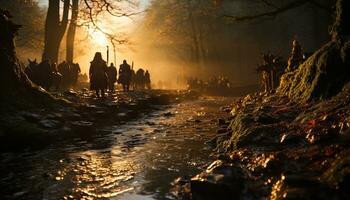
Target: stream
x=138 y=159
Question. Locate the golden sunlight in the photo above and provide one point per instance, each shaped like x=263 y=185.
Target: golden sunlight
x=98 y=38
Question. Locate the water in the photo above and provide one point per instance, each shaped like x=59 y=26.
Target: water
x=136 y=160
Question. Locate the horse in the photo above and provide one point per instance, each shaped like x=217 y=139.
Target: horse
x=42 y=74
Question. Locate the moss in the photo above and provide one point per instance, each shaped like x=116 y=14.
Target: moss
x=325 y=73
x=322 y=76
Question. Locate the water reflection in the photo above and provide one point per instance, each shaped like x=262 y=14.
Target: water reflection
x=137 y=160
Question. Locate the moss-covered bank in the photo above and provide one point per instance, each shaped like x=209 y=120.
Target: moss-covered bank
x=276 y=149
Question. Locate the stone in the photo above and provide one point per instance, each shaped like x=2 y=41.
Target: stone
x=50 y=124
x=31 y=117
x=168 y=114
x=219 y=181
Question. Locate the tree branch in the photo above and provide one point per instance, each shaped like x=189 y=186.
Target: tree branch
x=269 y=14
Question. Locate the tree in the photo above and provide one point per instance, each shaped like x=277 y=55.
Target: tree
x=89 y=12
x=12 y=77
x=325 y=73
x=31 y=35
x=269 y=9
x=14 y=83
x=71 y=31
x=184 y=25
x=55 y=29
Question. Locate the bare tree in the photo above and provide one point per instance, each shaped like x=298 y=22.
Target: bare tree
x=84 y=12
x=91 y=11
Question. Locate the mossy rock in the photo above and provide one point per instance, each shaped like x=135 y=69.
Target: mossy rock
x=248 y=131
x=322 y=76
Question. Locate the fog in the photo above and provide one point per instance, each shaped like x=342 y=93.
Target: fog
x=232 y=49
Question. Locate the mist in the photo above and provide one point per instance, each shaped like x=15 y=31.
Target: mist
x=160 y=40
x=232 y=49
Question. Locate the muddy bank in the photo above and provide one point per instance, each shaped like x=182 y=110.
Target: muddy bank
x=81 y=115
x=274 y=148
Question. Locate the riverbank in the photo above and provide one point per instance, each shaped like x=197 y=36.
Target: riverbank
x=81 y=115
x=275 y=148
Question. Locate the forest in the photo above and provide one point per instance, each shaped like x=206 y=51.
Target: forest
x=175 y=99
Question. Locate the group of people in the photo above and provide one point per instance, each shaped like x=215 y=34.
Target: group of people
x=141 y=79
x=271 y=70
x=103 y=78
x=214 y=83
x=69 y=72
x=47 y=75
x=273 y=67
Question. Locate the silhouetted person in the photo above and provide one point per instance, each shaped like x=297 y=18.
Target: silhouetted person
x=147 y=80
x=98 y=74
x=296 y=56
x=267 y=72
x=279 y=66
x=45 y=79
x=65 y=71
x=133 y=79
x=140 y=79
x=112 y=77
x=75 y=70
x=56 y=77
x=83 y=78
x=31 y=70
x=125 y=75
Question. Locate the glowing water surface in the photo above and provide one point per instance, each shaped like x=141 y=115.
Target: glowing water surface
x=136 y=160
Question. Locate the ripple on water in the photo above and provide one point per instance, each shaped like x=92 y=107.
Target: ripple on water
x=99 y=174
x=136 y=160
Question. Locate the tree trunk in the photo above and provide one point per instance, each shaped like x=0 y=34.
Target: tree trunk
x=203 y=53
x=12 y=77
x=194 y=35
x=15 y=86
x=54 y=29
x=71 y=31
x=341 y=30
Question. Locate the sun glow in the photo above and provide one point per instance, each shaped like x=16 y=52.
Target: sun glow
x=98 y=38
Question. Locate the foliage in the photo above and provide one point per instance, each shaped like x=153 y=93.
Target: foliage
x=186 y=26
x=31 y=16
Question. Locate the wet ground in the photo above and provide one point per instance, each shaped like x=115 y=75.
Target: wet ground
x=134 y=160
